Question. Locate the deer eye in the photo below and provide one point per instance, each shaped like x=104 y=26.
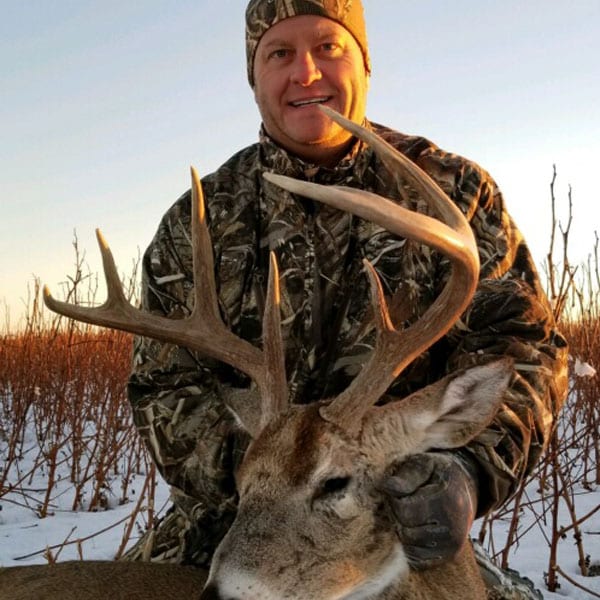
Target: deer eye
x=332 y=486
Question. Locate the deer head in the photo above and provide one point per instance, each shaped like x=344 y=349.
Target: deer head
x=311 y=521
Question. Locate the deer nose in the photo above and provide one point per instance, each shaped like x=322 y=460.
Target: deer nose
x=211 y=592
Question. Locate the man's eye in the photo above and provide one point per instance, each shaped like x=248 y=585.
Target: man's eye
x=330 y=47
x=279 y=53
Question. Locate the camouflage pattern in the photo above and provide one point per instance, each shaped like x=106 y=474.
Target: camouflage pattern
x=327 y=326
x=505 y=584
x=263 y=14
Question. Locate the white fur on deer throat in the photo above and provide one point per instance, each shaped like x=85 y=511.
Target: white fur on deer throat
x=243 y=586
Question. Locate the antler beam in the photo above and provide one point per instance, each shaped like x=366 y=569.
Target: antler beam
x=452 y=236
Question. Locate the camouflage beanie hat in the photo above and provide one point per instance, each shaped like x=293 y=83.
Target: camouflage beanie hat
x=263 y=14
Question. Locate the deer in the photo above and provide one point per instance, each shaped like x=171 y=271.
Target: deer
x=312 y=522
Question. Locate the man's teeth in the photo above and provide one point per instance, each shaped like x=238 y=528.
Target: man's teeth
x=311 y=101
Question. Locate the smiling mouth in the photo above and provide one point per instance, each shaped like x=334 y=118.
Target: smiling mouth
x=310 y=101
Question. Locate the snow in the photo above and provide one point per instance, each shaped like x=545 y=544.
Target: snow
x=583 y=369
x=24 y=536
x=530 y=557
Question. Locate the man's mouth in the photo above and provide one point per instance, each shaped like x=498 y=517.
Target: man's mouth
x=309 y=101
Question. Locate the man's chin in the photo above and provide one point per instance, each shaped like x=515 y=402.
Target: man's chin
x=313 y=142
x=314 y=136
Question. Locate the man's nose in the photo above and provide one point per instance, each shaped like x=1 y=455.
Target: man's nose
x=305 y=70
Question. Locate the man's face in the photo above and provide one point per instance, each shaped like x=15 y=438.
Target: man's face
x=301 y=62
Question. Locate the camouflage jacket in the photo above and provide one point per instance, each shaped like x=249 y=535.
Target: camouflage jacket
x=176 y=396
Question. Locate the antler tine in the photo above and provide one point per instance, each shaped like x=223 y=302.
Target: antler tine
x=271 y=377
x=383 y=212
x=396 y=162
x=273 y=348
x=206 y=303
x=394 y=350
x=203 y=331
x=115 y=306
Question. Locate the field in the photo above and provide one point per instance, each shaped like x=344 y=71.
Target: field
x=75 y=481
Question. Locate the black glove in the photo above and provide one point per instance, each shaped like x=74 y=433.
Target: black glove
x=433 y=498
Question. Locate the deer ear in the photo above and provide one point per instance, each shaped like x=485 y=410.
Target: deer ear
x=244 y=405
x=468 y=403
x=446 y=414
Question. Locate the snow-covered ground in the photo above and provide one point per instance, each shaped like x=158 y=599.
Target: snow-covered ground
x=530 y=557
x=24 y=536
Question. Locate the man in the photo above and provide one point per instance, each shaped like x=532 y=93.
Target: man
x=301 y=54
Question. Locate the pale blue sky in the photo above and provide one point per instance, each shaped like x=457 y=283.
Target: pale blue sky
x=104 y=105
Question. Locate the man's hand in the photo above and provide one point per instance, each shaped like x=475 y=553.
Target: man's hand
x=433 y=498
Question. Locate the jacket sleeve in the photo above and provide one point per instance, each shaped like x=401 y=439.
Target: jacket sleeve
x=176 y=395
x=509 y=316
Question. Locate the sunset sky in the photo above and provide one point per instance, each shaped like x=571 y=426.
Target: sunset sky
x=104 y=105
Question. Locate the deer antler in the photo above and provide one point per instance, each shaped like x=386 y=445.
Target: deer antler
x=453 y=237
x=204 y=330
